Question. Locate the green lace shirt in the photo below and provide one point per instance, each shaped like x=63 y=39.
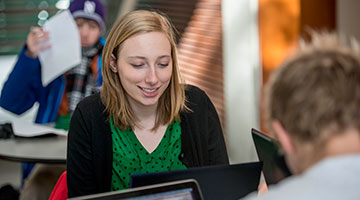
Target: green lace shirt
x=130 y=157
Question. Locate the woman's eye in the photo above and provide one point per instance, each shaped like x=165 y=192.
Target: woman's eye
x=137 y=65
x=163 y=64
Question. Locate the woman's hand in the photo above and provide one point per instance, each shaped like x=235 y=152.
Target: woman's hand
x=36 y=42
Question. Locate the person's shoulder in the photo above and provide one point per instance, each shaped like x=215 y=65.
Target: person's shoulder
x=102 y=41
x=196 y=98
x=279 y=192
x=192 y=91
x=91 y=99
x=92 y=102
x=294 y=187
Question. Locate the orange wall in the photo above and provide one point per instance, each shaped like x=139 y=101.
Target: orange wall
x=278 y=30
x=283 y=22
x=279 y=22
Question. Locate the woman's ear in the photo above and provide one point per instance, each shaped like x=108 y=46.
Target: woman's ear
x=113 y=65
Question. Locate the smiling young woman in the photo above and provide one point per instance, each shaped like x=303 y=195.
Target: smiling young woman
x=144 y=119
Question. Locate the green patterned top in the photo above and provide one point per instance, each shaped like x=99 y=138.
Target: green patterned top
x=130 y=157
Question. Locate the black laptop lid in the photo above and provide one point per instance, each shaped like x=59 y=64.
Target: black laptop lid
x=274 y=165
x=216 y=182
x=180 y=190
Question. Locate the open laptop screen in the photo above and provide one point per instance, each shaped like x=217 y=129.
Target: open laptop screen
x=274 y=165
x=216 y=182
x=187 y=189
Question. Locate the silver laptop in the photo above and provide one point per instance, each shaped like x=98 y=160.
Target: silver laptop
x=187 y=189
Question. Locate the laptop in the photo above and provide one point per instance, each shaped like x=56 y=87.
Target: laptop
x=187 y=189
x=216 y=182
x=274 y=165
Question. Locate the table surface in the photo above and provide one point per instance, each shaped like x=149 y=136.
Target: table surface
x=50 y=149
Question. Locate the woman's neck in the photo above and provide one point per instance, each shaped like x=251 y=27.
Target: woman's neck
x=145 y=114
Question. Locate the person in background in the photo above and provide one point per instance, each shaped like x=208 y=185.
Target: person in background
x=312 y=105
x=59 y=98
x=144 y=119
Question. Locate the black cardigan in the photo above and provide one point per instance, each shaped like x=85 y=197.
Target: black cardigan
x=90 y=155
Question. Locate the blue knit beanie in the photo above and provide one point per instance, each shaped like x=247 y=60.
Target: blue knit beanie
x=89 y=9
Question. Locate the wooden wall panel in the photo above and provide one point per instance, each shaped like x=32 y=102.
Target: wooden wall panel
x=179 y=12
x=200 y=52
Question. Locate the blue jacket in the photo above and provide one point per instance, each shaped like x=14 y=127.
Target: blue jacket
x=24 y=87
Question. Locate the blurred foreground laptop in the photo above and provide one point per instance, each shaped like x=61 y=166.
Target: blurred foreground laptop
x=177 y=190
x=274 y=165
x=216 y=182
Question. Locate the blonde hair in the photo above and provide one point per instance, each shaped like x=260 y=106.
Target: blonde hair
x=316 y=93
x=113 y=95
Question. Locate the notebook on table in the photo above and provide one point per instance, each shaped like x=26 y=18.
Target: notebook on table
x=187 y=189
x=274 y=165
x=216 y=182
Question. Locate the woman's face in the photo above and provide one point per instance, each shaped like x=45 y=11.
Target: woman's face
x=144 y=66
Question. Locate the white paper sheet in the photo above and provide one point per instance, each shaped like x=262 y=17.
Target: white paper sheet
x=27 y=129
x=65 y=51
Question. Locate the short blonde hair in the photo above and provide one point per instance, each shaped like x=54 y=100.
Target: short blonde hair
x=316 y=93
x=113 y=94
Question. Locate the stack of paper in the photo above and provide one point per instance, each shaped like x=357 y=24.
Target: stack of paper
x=65 y=51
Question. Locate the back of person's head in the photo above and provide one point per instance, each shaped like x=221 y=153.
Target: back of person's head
x=316 y=93
x=113 y=93
x=89 y=9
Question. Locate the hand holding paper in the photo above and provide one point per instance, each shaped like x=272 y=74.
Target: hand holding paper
x=36 y=41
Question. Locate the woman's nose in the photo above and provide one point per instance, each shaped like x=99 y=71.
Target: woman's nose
x=151 y=76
